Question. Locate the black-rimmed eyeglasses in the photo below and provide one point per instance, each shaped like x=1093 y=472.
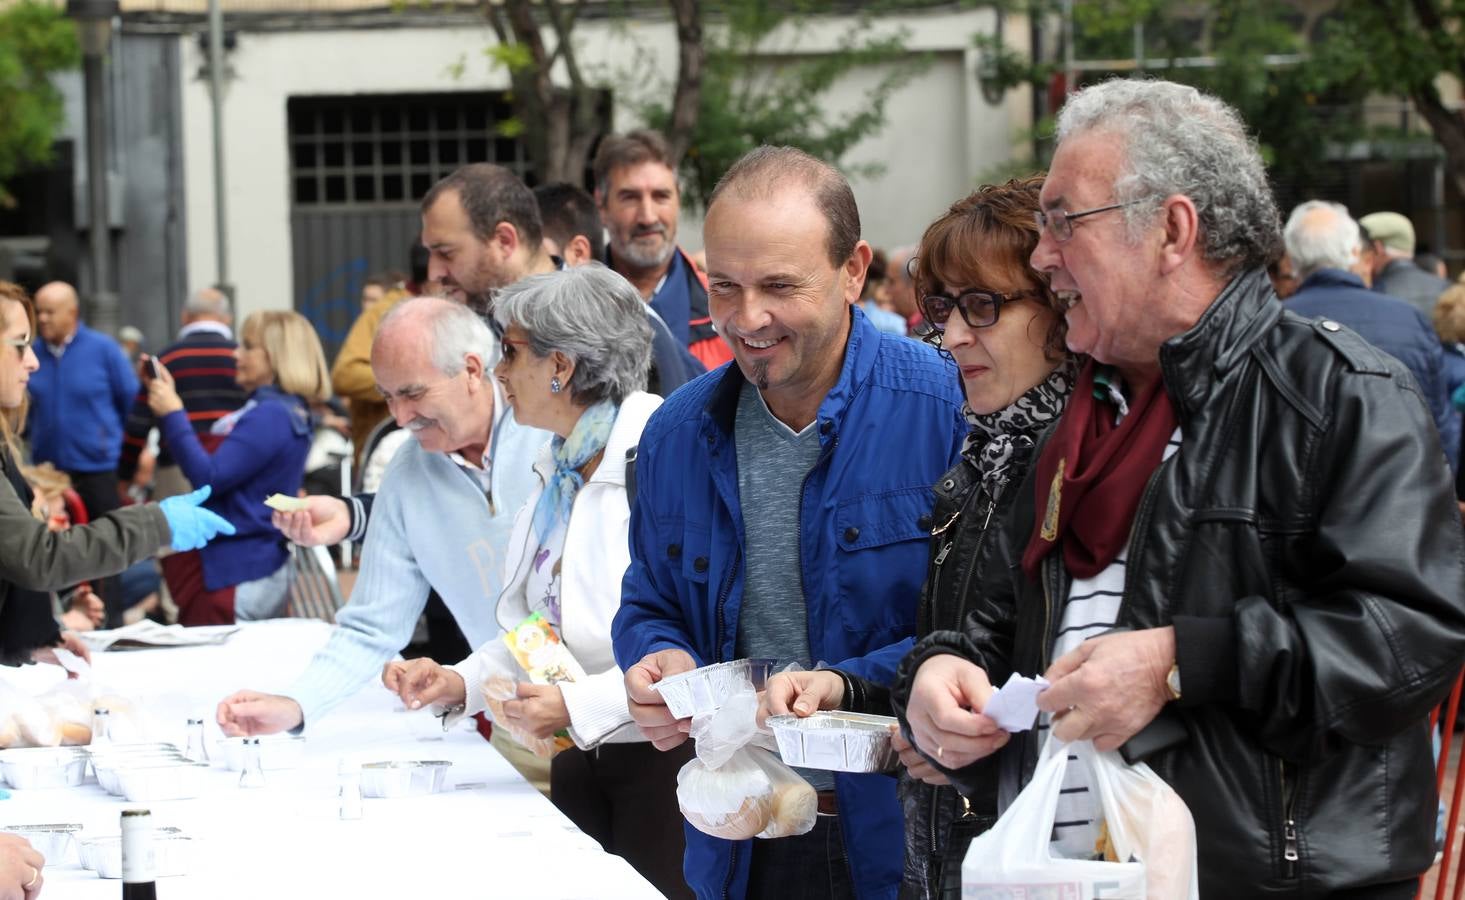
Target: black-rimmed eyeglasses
x=979 y=309
x=1059 y=222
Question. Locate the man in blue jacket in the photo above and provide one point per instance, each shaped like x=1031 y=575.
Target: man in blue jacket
x=79 y=399
x=1323 y=242
x=783 y=505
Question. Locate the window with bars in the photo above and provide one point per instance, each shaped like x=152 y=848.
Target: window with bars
x=390 y=149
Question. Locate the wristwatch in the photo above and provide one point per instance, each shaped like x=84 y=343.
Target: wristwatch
x=1172 y=681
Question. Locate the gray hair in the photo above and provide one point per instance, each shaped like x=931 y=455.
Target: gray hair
x=208 y=302
x=454 y=331
x=1178 y=140
x=591 y=315
x=1321 y=235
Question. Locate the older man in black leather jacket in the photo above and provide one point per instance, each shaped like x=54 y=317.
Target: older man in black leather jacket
x=1262 y=502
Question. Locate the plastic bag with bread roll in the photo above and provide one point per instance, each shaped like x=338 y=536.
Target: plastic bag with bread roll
x=752 y=794
x=734 y=790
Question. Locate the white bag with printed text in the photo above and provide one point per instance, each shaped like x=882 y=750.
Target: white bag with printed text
x=1148 y=824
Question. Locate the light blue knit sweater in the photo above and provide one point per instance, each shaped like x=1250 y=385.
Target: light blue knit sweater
x=431 y=528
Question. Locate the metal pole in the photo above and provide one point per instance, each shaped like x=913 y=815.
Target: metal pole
x=216 y=94
x=103 y=313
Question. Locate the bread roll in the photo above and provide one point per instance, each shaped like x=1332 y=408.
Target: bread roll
x=9 y=733
x=38 y=729
x=793 y=811
x=75 y=734
x=749 y=819
x=734 y=802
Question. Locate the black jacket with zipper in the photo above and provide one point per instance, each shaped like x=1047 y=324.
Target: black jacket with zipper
x=963 y=558
x=1305 y=544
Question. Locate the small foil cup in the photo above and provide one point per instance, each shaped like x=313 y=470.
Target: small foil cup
x=54 y=842
x=413 y=778
x=702 y=691
x=837 y=741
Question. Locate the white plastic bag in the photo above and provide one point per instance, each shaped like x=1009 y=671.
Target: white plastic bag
x=1148 y=825
x=735 y=790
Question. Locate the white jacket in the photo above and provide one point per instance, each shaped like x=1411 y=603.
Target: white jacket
x=596 y=555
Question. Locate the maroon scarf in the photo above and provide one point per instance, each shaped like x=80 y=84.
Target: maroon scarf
x=1092 y=474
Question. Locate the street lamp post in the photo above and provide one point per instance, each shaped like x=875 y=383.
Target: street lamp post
x=94 y=20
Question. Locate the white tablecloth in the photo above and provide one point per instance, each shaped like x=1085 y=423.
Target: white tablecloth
x=489 y=835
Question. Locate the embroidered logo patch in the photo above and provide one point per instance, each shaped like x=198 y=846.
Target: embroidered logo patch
x=1055 y=496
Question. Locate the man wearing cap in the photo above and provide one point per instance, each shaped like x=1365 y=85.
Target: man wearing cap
x=1394 y=271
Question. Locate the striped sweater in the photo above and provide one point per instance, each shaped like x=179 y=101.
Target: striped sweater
x=201 y=362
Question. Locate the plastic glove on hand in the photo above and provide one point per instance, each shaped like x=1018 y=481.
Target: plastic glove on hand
x=191 y=524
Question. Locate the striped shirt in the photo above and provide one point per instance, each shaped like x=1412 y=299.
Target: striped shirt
x=201 y=362
x=1092 y=609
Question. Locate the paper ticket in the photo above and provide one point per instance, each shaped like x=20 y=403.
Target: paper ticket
x=285 y=504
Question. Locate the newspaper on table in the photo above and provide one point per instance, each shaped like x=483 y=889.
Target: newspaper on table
x=147 y=634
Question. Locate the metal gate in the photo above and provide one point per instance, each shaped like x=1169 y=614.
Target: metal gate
x=359 y=165
x=335 y=250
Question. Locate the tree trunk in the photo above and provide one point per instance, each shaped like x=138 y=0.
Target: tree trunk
x=686 y=102
x=1449 y=130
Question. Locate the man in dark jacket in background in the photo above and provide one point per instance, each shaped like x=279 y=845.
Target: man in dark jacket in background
x=572 y=232
x=1243 y=516
x=1391 y=237
x=1322 y=243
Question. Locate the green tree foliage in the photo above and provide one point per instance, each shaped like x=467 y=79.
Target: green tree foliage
x=1400 y=47
x=1254 y=54
x=36 y=40
x=750 y=96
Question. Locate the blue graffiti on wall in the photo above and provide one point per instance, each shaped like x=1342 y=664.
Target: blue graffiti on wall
x=339 y=292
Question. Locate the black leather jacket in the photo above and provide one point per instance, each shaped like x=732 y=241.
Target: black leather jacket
x=964 y=557
x=1306 y=546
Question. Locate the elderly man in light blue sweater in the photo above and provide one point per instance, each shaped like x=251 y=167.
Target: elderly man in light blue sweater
x=440 y=520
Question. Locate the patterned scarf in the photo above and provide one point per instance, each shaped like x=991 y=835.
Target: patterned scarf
x=997 y=437
x=570 y=454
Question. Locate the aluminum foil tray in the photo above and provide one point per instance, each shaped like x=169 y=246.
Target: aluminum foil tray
x=174 y=854
x=702 y=691
x=54 y=842
x=166 y=780
x=411 y=778
x=108 y=767
x=46 y=767
x=837 y=741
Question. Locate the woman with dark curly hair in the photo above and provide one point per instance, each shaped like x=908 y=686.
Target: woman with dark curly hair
x=987 y=309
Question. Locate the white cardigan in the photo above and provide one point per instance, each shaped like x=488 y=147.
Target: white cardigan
x=596 y=555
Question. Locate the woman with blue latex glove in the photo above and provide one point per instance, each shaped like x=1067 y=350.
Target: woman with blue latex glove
x=35 y=560
x=254 y=452
x=192 y=525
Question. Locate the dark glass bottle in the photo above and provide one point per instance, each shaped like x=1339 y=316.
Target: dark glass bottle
x=139 y=857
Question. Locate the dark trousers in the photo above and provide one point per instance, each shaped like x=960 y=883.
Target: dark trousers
x=98 y=493
x=809 y=866
x=625 y=796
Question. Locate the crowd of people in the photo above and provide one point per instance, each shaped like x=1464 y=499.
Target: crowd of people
x=1072 y=432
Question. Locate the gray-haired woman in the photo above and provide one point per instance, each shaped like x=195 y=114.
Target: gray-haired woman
x=576 y=348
